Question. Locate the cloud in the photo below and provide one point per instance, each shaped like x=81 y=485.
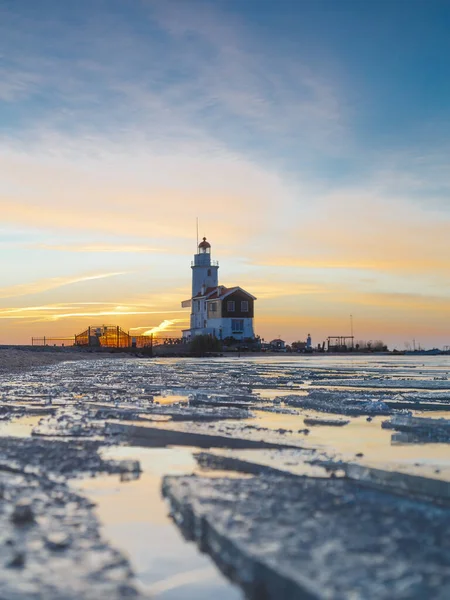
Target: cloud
x=166 y=326
x=239 y=77
x=437 y=305
x=44 y=285
x=363 y=230
x=387 y=264
x=134 y=194
x=125 y=128
x=192 y=79
x=277 y=288
x=57 y=312
x=109 y=248
x=208 y=123
x=107 y=313
x=17 y=84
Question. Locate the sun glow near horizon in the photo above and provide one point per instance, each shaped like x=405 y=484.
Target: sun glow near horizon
x=322 y=192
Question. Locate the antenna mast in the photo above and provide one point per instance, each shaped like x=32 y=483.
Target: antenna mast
x=197 y=237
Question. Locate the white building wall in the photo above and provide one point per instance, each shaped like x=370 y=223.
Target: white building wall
x=198 y=314
x=220 y=327
x=204 y=273
x=206 y=277
x=248 y=328
x=214 y=326
x=224 y=325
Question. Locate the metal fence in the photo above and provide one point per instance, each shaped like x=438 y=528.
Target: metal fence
x=50 y=341
x=107 y=336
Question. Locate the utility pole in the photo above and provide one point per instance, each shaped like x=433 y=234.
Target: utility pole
x=351 y=330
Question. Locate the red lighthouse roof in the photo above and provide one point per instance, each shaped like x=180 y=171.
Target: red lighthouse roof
x=204 y=244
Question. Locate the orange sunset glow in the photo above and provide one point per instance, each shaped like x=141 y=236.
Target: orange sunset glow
x=108 y=158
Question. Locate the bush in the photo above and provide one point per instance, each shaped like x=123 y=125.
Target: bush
x=203 y=344
x=371 y=346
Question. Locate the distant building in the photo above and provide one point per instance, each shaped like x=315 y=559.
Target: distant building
x=217 y=310
x=278 y=345
x=305 y=347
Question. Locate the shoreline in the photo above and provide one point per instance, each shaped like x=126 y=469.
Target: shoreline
x=14 y=359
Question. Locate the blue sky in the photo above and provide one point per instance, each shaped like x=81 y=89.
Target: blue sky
x=310 y=137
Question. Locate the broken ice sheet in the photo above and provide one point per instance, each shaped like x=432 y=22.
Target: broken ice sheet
x=280 y=537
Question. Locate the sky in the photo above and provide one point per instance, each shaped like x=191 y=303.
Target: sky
x=310 y=137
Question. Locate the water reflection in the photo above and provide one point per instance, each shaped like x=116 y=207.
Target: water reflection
x=364 y=437
x=21 y=426
x=135 y=518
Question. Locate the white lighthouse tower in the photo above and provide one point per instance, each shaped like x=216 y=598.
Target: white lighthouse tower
x=204 y=271
x=216 y=310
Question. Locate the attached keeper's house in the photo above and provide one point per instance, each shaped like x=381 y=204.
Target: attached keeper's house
x=217 y=310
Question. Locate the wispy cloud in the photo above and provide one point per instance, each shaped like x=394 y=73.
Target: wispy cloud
x=62 y=311
x=109 y=248
x=404 y=301
x=17 y=84
x=384 y=264
x=239 y=76
x=359 y=229
x=214 y=80
x=278 y=288
x=166 y=326
x=138 y=204
x=108 y=313
x=44 y=285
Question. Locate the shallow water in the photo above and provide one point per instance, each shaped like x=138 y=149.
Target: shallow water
x=271 y=394
x=135 y=519
x=167 y=399
x=20 y=426
x=366 y=437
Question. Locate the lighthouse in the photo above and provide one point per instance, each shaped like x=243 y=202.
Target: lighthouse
x=216 y=310
x=204 y=270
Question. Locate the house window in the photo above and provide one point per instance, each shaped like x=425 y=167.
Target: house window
x=230 y=305
x=244 y=306
x=237 y=325
x=213 y=306
x=209 y=272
